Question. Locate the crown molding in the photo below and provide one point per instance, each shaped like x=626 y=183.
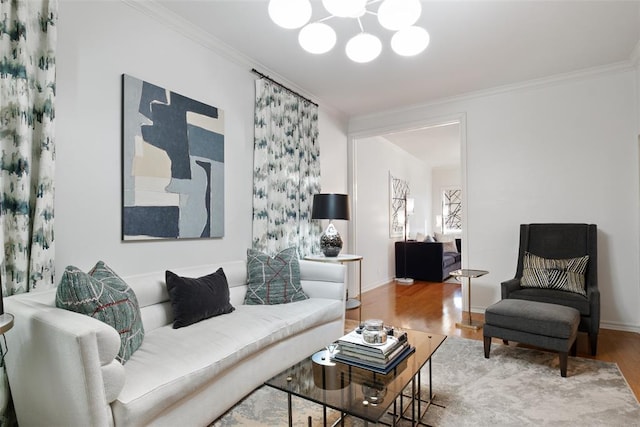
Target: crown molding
x=175 y=22
x=617 y=67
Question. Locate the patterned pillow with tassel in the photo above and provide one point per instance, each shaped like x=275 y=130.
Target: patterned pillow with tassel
x=103 y=295
x=273 y=280
x=561 y=274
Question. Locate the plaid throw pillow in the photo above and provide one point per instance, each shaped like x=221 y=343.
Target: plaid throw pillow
x=562 y=274
x=103 y=295
x=273 y=280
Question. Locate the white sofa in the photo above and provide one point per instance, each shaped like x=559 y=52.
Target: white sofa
x=62 y=369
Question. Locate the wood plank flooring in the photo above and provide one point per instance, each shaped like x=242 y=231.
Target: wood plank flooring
x=436 y=307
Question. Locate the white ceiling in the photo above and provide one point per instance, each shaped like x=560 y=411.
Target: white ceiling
x=475 y=45
x=437 y=146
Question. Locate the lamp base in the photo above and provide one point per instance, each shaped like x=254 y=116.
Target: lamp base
x=330 y=242
x=404 y=280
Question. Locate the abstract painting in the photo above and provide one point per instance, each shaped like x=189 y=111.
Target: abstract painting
x=452 y=209
x=172 y=165
x=398 y=191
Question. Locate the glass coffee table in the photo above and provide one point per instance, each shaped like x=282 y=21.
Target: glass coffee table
x=370 y=396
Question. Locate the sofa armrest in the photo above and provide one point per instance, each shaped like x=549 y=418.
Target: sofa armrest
x=509 y=286
x=424 y=260
x=61 y=365
x=323 y=279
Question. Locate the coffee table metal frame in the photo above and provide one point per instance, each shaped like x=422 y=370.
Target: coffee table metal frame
x=342 y=387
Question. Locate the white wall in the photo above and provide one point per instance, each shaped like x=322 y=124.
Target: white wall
x=637 y=65
x=98 y=41
x=562 y=150
x=375 y=158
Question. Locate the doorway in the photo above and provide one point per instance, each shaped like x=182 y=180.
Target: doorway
x=414 y=153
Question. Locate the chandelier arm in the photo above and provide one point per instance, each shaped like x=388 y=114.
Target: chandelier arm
x=326 y=19
x=360 y=24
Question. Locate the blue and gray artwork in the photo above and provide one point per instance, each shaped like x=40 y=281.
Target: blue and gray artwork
x=173 y=165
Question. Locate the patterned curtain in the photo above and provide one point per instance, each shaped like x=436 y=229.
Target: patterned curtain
x=27 y=95
x=286 y=171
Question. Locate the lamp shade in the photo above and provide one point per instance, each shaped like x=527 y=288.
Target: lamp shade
x=330 y=206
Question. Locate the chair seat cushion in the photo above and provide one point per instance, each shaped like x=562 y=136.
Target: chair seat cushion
x=539 y=318
x=553 y=296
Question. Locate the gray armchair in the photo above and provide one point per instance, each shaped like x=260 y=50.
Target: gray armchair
x=560 y=241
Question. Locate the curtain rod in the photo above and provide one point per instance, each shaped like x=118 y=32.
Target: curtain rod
x=264 y=76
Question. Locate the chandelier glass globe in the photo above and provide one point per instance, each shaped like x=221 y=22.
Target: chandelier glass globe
x=398 y=14
x=317 y=38
x=290 y=14
x=345 y=8
x=410 y=41
x=363 y=48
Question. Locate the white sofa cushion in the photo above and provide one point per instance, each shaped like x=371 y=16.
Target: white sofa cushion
x=172 y=363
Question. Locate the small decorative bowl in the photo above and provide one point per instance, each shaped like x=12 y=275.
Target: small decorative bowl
x=374 y=332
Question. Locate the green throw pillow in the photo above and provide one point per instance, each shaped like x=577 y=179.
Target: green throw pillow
x=562 y=274
x=273 y=280
x=102 y=294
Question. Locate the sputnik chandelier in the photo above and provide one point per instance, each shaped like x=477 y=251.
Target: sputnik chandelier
x=318 y=37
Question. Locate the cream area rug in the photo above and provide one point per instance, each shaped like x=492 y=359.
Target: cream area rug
x=514 y=387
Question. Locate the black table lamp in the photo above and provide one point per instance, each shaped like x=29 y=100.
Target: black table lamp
x=330 y=206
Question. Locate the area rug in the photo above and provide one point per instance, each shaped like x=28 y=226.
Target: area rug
x=514 y=387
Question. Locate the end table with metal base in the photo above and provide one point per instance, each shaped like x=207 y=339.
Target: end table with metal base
x=352 y=303
x=469 y=274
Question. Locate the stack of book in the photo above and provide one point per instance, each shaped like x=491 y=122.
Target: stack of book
x=383 y=358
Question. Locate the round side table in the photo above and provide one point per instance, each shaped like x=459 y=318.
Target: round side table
x=352 y=303
x=6 y=322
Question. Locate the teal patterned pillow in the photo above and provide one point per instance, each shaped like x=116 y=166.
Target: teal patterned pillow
x=102 y=294
x=561 y=274
x=273 y=280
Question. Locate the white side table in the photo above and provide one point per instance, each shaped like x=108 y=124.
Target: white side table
x=351 y=303
x=6 y=322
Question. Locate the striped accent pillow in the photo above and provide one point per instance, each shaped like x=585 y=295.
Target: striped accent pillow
x=103 y=295
x=561 y=274
x=274 y=280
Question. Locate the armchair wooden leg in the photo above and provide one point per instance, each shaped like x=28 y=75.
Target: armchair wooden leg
x=487 y=347
x=564 y=356
x=593 y=343
x=574 y=348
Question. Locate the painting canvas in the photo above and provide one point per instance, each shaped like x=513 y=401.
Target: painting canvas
x=173 y=165
x=398 y=190
x=452 y=209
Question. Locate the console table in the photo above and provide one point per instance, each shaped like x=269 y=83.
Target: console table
x=352 y=303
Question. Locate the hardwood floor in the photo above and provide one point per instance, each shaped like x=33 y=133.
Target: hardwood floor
x=436 y=307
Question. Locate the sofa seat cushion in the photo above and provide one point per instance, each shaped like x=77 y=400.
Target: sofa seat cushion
x=172 y=363
x=553 y=296
x=450 y=258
